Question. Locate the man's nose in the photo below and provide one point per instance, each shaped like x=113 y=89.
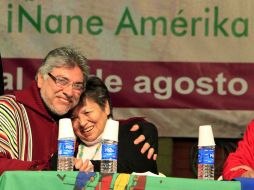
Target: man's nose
x=68 y=90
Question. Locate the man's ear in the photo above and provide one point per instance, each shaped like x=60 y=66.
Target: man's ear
x=40 y=80
x=107 y=108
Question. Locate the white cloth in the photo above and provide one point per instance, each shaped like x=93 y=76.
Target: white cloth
x=89 y=152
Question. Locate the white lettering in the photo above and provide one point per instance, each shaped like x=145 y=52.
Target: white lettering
x=181 y=81
x=9 y=80
x=166 y=90
x=143 y=84
x=164 y=87
x=220 y=87
x=205 y=84
x=233 y=82
x=19 y=81
x=99 y=73
x=114 y=83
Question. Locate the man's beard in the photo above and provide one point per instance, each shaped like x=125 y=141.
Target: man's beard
x=50 y=108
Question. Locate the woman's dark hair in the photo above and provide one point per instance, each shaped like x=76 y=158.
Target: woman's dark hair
x=97 y=91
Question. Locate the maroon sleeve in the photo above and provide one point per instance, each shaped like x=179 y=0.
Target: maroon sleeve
x=15 y=164
x=244 y=155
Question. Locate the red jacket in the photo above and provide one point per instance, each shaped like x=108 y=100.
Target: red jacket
x=44 y=132
x=244 y=155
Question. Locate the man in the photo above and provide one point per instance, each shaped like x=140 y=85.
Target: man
x=28 y=120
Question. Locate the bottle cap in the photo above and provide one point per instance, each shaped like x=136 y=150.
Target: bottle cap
x=205 y=137
x=111 y=130
x=65 y=129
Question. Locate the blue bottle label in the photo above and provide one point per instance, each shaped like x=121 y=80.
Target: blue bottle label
x=65 y=147
x=206 y=156
x=109 y=152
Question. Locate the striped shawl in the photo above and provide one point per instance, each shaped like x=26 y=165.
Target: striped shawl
x=15 y=130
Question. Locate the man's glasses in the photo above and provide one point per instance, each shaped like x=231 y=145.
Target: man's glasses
x=63 y=82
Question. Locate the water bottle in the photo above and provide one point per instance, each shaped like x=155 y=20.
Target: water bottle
x=206 y=152
x=109 y=156
x=109 y=147
x=206 y=162
x=66 y=145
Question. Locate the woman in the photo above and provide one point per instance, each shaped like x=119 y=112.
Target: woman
x=89 y=119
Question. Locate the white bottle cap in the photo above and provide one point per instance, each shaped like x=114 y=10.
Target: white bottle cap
x=111 y=130
x=65 y=129
x=205 y=137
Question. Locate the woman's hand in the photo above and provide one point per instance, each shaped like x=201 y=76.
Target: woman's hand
x=248 y=174
x=83 y=166
x=249 y=171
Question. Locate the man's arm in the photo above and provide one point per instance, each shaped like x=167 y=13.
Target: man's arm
x=12 y=157
x=15 y=164
x=150 y=136
x=130 y=157
x=9 y=159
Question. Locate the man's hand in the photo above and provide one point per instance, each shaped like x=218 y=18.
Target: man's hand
x=150 y=135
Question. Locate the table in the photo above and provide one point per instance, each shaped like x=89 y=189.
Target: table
x=50 y=180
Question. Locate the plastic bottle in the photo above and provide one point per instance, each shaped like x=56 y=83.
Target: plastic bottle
x=109 y=156
x=66 y=145
x=65 y=154
x=109 y=147
x=206 y=162
x=206 y=152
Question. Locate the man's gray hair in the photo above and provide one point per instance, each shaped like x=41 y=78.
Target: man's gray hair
x=63 y=56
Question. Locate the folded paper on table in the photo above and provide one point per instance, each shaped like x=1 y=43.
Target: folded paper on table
x=148 y=173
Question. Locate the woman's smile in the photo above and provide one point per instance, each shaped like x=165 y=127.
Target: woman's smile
x=86 y=130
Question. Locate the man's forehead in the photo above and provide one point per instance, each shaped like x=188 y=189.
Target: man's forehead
x=65 y=67
x=69 y=72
